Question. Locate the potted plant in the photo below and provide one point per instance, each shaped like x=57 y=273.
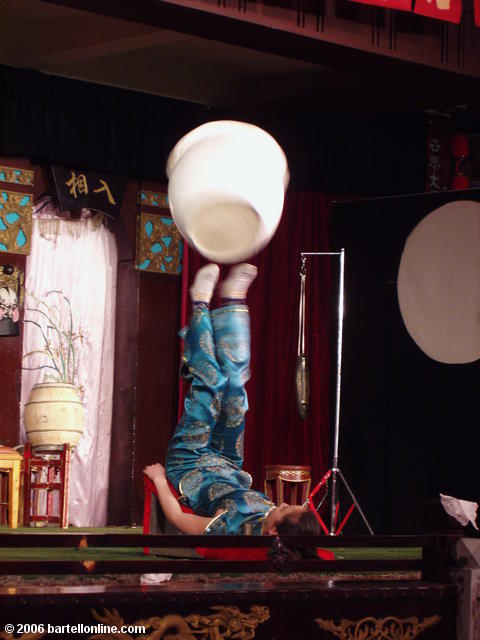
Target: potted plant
x=54 y=413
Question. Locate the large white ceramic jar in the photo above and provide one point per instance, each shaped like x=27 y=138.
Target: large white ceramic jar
x=227 y=182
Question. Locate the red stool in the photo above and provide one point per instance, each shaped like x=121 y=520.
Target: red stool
x=287 y=483
x=46 y=470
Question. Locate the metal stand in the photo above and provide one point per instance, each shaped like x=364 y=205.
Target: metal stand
x=335 y=471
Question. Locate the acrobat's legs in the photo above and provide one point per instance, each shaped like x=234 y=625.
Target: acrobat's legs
x=232 y=340
x=217 y=358
x=202 y=403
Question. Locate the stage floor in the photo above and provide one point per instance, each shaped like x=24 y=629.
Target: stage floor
x=380 y=585
x=136 y=554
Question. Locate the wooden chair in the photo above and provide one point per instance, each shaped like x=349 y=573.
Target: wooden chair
x=10 y=465
x=287 y=483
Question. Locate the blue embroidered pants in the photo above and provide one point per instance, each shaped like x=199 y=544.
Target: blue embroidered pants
x=207 y=448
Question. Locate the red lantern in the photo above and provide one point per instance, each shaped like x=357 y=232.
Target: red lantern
x=460 y=182
x=459 y=146
x=460 y=153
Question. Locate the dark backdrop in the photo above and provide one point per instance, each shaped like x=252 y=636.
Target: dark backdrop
x=408 y=423
x=54 y=120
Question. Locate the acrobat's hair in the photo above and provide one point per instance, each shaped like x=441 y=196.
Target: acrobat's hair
x=301 y=523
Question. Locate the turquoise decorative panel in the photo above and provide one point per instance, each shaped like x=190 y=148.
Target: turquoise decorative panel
x=159 y=244
x=15 y=221
x=153 y=199
x=16 y=176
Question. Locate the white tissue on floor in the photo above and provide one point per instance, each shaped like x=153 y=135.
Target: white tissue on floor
x=463 y=511
x=155 y=578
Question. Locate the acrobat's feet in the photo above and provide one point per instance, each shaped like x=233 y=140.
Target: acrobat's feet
x=204 y=283
x=235 y=286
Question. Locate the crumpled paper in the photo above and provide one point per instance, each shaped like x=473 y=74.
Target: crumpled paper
x=155 y=578
x=463 y=511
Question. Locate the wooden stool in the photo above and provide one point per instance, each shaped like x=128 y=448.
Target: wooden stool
x=45 y=469
x=287 y=483
x=10 y=464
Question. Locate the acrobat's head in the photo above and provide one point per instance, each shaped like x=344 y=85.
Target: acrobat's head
x=291 y=520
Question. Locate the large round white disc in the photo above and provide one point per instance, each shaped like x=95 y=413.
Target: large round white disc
x=439 y=283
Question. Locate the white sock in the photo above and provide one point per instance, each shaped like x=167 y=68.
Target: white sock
x=236 y=285
x=204 y=283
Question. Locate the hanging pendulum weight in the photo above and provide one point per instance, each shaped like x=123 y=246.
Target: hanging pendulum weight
x=302 y=383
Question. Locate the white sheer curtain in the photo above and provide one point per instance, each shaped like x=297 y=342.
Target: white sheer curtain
x=79 y=258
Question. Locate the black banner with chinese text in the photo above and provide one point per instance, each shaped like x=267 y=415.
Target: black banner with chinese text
x=88 y=190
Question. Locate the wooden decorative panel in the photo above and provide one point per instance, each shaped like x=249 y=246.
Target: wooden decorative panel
x=16 y=176
x=15 y=221
x=159 y=244
x=153 y=199
x=389 y=628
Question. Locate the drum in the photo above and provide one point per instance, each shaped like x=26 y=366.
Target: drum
x=226 y=189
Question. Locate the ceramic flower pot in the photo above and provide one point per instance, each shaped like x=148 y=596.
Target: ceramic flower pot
x=54 y=415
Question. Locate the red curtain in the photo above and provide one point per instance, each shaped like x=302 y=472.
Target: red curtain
x=275 y=434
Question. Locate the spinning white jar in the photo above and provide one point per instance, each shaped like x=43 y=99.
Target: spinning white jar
x=226 y=189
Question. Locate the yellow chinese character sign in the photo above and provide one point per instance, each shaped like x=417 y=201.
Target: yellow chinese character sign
x=89 y=190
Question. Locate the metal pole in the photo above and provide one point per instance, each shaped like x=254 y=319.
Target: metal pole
x=336 y=438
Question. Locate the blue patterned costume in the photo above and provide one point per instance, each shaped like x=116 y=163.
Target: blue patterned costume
x=205 y=455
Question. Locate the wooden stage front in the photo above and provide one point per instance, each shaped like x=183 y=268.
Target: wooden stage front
x=385 y=588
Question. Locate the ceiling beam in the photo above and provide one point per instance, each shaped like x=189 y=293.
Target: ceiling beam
x=106 y=48
x=443 y=84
